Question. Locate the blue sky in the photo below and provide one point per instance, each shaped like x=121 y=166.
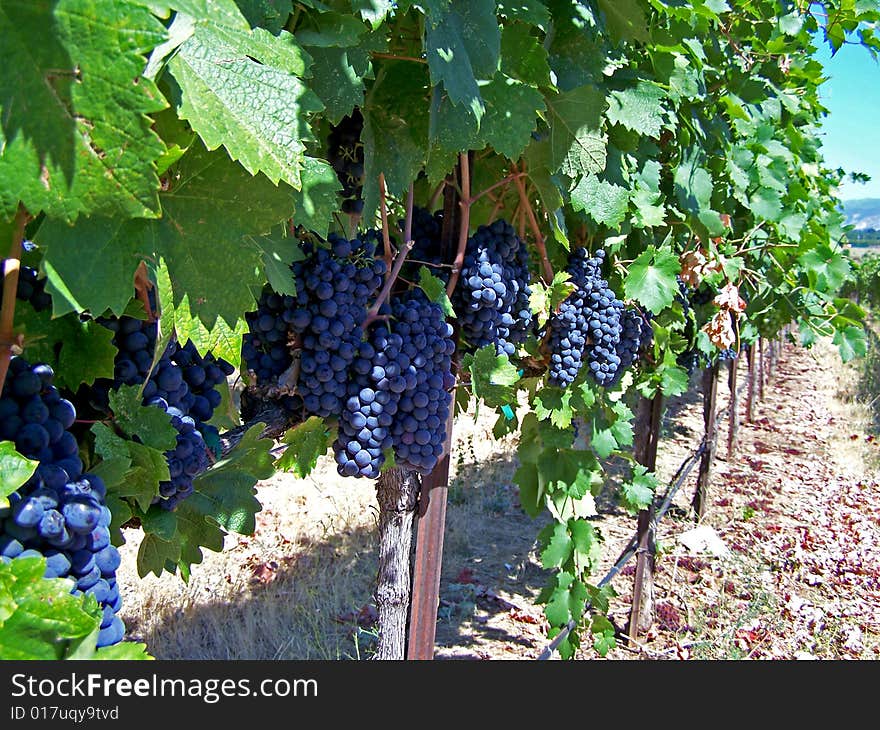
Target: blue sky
x=852 y=131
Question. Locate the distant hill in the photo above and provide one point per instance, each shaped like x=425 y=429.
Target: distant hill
x=863 y=213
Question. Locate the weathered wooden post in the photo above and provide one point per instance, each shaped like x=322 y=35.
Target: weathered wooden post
x=710 y=393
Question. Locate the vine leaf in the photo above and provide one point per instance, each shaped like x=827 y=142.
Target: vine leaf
x=603 y=635
x=523 y=57
x=306 y=443
x=86 y=348
x=463 y=44
x=651 y=278
x=625 y=20
x=15 y=470
x=39 y=618
x=435 y=289
x=75 y=134
x=577 y=145
x=603 y=201
x=149 y=423
x=220 y=68
x=492 y=376
x=638 y=108
x=638 y=492
x=567 y=599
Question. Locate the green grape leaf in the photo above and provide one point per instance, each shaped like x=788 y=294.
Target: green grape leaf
x=123 y=651
x=533 y=12
x=638 y=108
x=851 y=342
x=149 y=423
x=523 y=57
x=154 y=554
x=555 y=404
x=396 y=118
x=221 y=340
x=604 y=202
x=651 y=278
x=512 y=109
x=566 y=601
x=316 y=201
x=637 y=493
x=462 y=45
x=576 y=141
x=39 y=618
x=693 y=188
x=15 y=469
x=101 y=281
x=268 y=14
x=306 y=442
x=625 y=20
x=75 y=136
x=336 y=81
x=558 y=546
x=603 y=635
x=492 y=376
x=277 y=255
x=435 y=289
x=209 y=212
x=220 y=69
x=585 y=544
x=827 y=269
x=78 y=351
x=225 y=493
x=531 y=497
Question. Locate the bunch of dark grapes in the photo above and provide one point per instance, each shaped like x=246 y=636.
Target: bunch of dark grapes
x=632 y=327
x=333 y=288
x=30 y=289
x=567 y=340
x=345 y=151
x=425 y=360
x=265 y=348
x=727 y=354
x=426 y=230
x=492 y=296
x=399 y=394
x=36 y=418
x=202 y=375
x=365 y=423
x=59 y=513
x=167 y=387
x=589 y=325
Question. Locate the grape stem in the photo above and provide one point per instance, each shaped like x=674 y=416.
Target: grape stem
x=536 y=229
x=506 y=181
x=373 y=313
x=464 y=225
x=435 y=196
x=383 y=209
x=10 y=287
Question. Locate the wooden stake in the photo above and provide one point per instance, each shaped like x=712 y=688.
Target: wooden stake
x=710 y=393
x=733 y=409
x=649 y=413
x=750 y=399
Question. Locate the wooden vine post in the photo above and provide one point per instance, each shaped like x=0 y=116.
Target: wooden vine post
x=431 y=520
x=397 y=492
x=710 y=395
x=750 y=397
x=649 y=412
x=761 y=371
x=733 y=408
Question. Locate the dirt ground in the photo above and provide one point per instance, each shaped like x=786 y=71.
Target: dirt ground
x=797 y=509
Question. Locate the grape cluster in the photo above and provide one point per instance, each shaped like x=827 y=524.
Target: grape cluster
x=727 y=354
x=182 y=384
x=59 y=513
x=265 y=349
x=345 y=151
x=324 y=321
x=419 y=429
x=426 y=230
x=333 y=288
x=399 y=395
x=592 y=326
x=492 y=296
x=36 y=418
x=30 y=289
